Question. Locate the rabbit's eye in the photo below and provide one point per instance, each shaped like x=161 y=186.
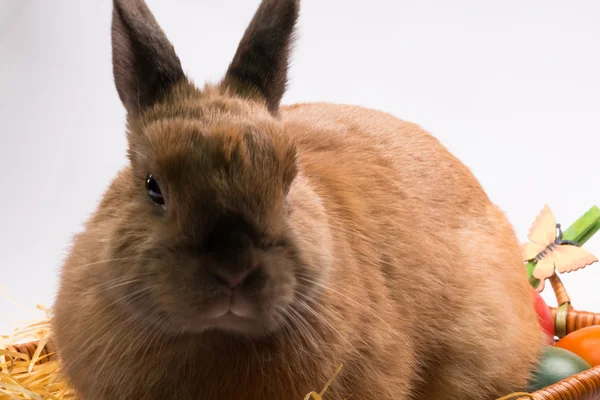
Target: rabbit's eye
x=154 y=190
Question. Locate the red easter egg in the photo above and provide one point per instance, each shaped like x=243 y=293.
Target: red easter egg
x=584 y=342
x=543 y=314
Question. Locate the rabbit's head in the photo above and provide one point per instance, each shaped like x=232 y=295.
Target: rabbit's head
x=212 y=226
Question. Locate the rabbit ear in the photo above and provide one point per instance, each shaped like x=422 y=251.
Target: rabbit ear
x=145 y=65
x=259 y=67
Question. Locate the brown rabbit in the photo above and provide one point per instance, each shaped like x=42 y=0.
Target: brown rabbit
x=249 y=249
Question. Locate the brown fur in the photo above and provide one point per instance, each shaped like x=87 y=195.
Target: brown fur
x=370 y=245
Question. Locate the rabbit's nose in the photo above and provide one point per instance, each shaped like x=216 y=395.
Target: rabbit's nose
x=236 y=279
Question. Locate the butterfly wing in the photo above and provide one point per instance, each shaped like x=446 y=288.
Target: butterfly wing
x=531 y=250
x=543 y=230
x=569 y=258
x=540 y=286
x=544 y=269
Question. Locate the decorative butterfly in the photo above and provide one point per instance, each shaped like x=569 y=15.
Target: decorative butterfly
x=548 y=249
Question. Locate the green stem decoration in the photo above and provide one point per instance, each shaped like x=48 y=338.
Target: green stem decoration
x=580 y=232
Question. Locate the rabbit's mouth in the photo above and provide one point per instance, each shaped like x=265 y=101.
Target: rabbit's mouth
x=229 y=320
x=241 y=312
x=233 y=312
x=230 y=313
x=244 y=310
x=236 y=304
x=233 y=323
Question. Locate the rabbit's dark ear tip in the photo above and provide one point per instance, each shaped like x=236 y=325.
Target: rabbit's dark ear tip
x=259 y=67
x=124 y=3
x=145 y=65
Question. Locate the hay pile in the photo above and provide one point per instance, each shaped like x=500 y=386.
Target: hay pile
x=27 y=369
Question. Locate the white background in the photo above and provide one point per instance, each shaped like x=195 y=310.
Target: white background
x=511 y=87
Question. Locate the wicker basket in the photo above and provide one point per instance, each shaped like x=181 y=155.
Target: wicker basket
x=582 y=386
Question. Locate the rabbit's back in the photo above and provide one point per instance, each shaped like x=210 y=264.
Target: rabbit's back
x=420 y=238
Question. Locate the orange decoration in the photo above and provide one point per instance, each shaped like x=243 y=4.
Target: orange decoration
x=585 y=343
